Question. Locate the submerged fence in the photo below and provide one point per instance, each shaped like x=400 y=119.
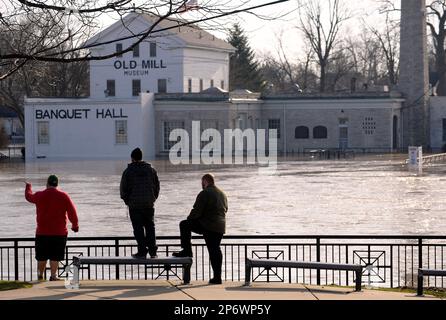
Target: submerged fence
x=389 y=261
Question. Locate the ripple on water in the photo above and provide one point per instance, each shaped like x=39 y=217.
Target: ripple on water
x=373 y=196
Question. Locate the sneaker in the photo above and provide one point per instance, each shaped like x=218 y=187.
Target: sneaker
x=54 y=278
x=153 y=256
x=139 y=255
x=215 y=281
x=40 y=278
x=182 y=254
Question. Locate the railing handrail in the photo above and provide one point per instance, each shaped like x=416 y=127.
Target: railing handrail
x=252 y=237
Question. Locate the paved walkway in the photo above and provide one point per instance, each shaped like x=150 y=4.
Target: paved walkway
x=174 y=290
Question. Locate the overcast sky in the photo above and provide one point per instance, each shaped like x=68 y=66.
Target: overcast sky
x=263 y=33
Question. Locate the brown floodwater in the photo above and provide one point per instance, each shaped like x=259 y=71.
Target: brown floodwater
x=367 y=195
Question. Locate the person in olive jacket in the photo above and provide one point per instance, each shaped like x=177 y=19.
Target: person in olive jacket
x=140 y=188
x=208 y=217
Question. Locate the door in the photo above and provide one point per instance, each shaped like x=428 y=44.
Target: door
x=343 y=137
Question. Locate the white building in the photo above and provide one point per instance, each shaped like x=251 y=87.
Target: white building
x=102 y=128
x=85 y=128
x=173 y=59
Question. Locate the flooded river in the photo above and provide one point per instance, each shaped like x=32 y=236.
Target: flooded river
x=366 y=195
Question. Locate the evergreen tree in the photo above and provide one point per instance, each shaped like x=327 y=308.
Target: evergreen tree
x=243 y=69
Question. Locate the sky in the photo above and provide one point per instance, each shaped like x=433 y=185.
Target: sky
x=263 y=33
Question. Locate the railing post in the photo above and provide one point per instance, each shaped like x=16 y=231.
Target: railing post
x=16 y=260
x=117 y=255
x=318 y=259
x=420 y=253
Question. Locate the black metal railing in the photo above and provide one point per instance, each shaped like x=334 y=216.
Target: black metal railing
x=389 y=261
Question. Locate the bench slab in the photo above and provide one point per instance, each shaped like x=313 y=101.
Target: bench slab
x=167 y=262
x=131 y=260
x=302 y=264
x=273 y=263
x=427 y=272
x=432 y=272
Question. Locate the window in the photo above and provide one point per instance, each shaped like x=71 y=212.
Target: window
x=121 y=131
x=136 y=87
x=212 y=83
x=343 y=121
x=274 y=124
x=201 y=85
x=153 y=49
x=43 y=132
x=369 y=126
x=222 y=84
x=136 y=51
x=119 y=49
x=320 y=132
x=169 y=126
x=189 y=85
x=302 y=132
x=110 y=92
x=162 y=85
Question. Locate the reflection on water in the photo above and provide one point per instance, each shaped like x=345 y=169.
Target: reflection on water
x=367 y=195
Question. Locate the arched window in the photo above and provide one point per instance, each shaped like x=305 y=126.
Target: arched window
x=320 y=132
x=302 y=132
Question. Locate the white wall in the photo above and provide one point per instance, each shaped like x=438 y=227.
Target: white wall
x=206 y=65
x=127 y=68
x=88 y=136
x=437 y=114
x=179 y=63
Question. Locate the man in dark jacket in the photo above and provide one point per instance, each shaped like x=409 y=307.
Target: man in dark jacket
x=208 y=217
x=140 y=188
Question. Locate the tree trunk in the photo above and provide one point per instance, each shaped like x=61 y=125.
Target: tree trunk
x=322 y=77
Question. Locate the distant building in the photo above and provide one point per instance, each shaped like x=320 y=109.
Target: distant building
x=92 y=128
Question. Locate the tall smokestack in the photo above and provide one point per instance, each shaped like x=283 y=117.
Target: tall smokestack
x=414 y=75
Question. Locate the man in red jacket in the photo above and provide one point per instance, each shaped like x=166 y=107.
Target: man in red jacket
x=52 y=207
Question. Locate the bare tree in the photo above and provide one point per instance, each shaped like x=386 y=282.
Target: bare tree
x=320 y=23
x=43 y=50
x=76 y=20
x=41 y=78
x=437 y=23
x=388 y=39
x=287 y=74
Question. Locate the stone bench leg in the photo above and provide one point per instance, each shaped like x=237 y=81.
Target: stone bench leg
x=186 y=273
x=358 y=280
x=247 y=273
x=420 y=283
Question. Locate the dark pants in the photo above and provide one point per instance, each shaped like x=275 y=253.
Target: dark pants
x=144 y=229
x=212 y=239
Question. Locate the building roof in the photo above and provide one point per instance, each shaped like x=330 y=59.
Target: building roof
x=191 y=35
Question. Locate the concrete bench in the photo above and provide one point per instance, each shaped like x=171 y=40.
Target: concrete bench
x=427 y=272
x=167 y=263
x=272 y=263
